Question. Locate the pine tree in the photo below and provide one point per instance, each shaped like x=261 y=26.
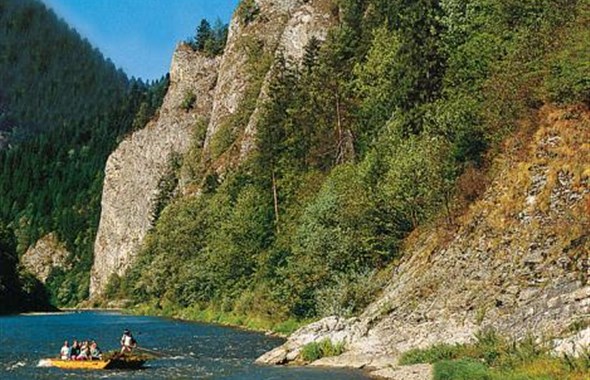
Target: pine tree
x=203 y=35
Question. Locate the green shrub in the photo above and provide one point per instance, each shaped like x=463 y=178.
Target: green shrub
x=311 y=352
x=496 y=358
x=222 y=140
x=188 y=101
x=433 y=354
x=569 y=79
x=324 y=348
x=349 y=295
x=288 y=327
x=248 y=10
x=464 y=369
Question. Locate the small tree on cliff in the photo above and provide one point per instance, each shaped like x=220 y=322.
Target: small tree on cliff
x=203 y=34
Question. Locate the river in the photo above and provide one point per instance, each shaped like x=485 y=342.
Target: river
x=191 y=350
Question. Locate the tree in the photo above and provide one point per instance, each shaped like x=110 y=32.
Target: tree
x=9 y=286
x=375 y=85
x=203 y=34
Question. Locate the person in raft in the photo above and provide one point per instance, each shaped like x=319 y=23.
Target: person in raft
x=64 y=353
x=74 y=350
x=128 y=343
x=95 y=352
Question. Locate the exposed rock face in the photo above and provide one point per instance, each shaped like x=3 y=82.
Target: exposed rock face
x=134 y=170
x=285 y=27
x=306 y=21
x=519 y=262
x=47 y=254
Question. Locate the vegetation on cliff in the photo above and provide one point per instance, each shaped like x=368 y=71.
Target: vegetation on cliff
x=210 y=39
x=492 y=357
x=63 y=107
x=389 y=123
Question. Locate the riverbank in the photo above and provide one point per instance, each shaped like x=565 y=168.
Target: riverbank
x=377 y=367
x=374 y=366
x=211 y=315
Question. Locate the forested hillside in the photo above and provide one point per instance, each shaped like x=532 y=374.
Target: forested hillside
x=63 y=107
x=389 y=124
x=19 y=291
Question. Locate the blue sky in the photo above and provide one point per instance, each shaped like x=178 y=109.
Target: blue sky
x=139 y=35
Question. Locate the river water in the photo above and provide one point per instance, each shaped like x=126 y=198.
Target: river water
x=191 y=350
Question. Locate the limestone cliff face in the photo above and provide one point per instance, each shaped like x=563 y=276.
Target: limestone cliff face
x=283 y=26
x=519 y=262
x=306 y=19
x=134 y=170
x=46 y=254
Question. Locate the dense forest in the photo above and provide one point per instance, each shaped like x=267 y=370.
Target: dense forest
x=388 y=124
x=19 y=290
x=63 y=109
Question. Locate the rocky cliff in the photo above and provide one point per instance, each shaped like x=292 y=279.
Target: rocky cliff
x=222 y=87
x=519 y=262
x=135 y=169
x=275 y=27
x=46 y=254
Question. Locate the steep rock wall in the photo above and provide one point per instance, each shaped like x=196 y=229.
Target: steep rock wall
x=519 y=262
x=284 y=26
x=221 y=86
x=134 y=170
x=306 y=20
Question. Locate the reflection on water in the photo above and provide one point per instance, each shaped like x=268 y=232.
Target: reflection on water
x=191 y=350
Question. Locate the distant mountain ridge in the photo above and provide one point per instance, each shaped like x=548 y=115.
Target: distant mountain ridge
x=63 y=106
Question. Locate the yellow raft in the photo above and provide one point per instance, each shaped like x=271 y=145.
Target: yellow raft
x=126 y=362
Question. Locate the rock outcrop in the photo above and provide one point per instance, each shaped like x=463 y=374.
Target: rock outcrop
x=220 y=86
x=47 y=254
x=519 y=262
x=135 y=169
x=284 y=26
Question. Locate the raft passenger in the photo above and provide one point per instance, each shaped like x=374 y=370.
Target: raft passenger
x=95 y=353
x=74 y=350
x=65 y=351
x=84 y=352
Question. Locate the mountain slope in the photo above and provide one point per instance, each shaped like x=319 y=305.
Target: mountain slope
x=411 y=172
x=226 y=100
x=63 y=107
x=518 y=262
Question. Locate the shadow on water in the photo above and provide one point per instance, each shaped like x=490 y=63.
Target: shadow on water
x=190 y=350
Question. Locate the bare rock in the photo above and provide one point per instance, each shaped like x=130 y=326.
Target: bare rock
x=45 y=255
x=573 y=345
x=134 y=169
x=411 y=372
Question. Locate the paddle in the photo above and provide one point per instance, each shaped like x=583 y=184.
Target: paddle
x=155 y=353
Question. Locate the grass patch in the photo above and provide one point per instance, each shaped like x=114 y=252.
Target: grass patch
x=215 y=315
x=288 y=327
x=464 y=369
x=324 y=348
x=431 y=355
x=495 y=358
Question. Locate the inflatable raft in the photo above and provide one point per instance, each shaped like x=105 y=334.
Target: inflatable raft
x=122 y=362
